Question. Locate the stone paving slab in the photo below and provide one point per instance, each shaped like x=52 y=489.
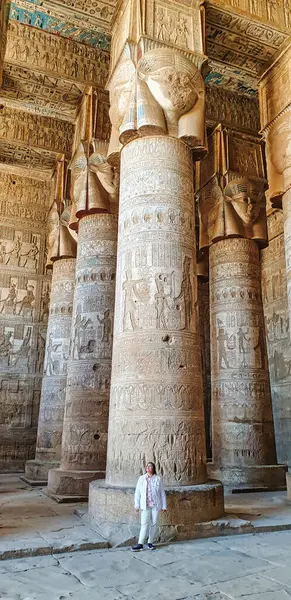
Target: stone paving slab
x=195 y=570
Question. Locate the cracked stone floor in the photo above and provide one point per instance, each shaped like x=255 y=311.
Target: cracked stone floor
x=253 y=566
x=245 y=567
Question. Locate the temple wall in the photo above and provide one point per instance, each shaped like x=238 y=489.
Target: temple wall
x=24 y=305
x=275 y=303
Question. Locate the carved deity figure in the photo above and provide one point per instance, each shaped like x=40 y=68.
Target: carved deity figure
x=106 y=321
x=222 y=339
x=6 y=346
x=15 y=251
x=239 y=209
x=26 y=304
x=49 y=367
x=131 y=295
x=10 y=301
x=186 y=293
x=24 y=350
x=272 y=8
x=31 y=254
x=164 y=291
x=80 y=324
x=242 y=337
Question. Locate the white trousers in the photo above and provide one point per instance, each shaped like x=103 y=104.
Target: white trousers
x=149 y=521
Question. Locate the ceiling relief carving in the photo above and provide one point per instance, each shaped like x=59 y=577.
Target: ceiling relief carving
x=36 y=131
x=34 y=160
x=42 y=94
x=54 y=55
x=67 y=23
x=240 y=43
x=4 y=15
x=275 y=12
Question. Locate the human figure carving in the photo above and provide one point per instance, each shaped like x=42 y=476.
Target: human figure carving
x=222 y=339
x=130 y=290
x=161 y=300
x=10 y=301
x=106 y=321
x=49 y=363
x=186 y=293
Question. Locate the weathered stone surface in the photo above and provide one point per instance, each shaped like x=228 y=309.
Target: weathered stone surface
x=84 y=441
x=243 y=433
x=275 y=303
x=52 y=403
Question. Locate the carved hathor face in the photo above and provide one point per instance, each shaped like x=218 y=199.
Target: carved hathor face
x=246 y=197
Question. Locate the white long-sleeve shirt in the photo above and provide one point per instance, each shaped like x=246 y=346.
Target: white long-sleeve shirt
x=157 y=493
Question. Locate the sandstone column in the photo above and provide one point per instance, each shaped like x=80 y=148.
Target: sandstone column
x=243 y=441
x=275 y=105
x=84 y=441
x=51 y=414
x=61 y=252
x=233 y=225
x=156 y=403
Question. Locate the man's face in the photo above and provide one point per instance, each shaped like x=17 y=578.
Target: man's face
x=150 y=469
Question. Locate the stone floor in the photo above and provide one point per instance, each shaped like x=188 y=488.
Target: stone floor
x=32 y=524
x=245 y=567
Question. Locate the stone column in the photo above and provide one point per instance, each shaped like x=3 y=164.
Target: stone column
x=4 y=18
x=156 y=405
x=87 y=397
x=243 y=440
x=51 y=414
x=275 y=106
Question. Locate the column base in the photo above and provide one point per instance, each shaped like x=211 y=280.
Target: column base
x=186 y=506
x=71 y=486
x=36 y=472
x=259 y=478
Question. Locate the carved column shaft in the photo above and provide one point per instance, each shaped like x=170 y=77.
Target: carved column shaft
x=51 y=414
x=156 y=404
x=156 y=356
x=87 y=397
x=243 y=432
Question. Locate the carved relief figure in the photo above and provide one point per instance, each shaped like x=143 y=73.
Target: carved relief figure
x=106 y=321
x=161 y=298
x=131 y=295
x=8 y=304
x=186 y=293
x=15 y=252
x=24 y=350
x=49 y=368
x=242 y=336
x=6 y=346
x=222 y=339
x=27 y=303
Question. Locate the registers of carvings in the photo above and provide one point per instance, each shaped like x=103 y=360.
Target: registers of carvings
x=277 y=325
x=29 y=47
x=159 y=23
x=35 y=130
x=89 y=368
x=234 y=110
x=48 y=92
x=239 y=41
x=4 y=16
x=163 y=93
x=243 y=435
x=276 y=13
x=24 y=302
x=51 y=414
x=155 y=329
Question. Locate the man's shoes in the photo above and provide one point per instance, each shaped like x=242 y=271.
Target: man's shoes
x=151 y=547
x=137 y=547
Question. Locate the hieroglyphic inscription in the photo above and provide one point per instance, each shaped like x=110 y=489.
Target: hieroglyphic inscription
x=156 y=329
x=89 y=366
x=35 y=130
x=24 y=292
x=51 y=414
x=234 y=110
x=240 y=381
x=274 y=288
